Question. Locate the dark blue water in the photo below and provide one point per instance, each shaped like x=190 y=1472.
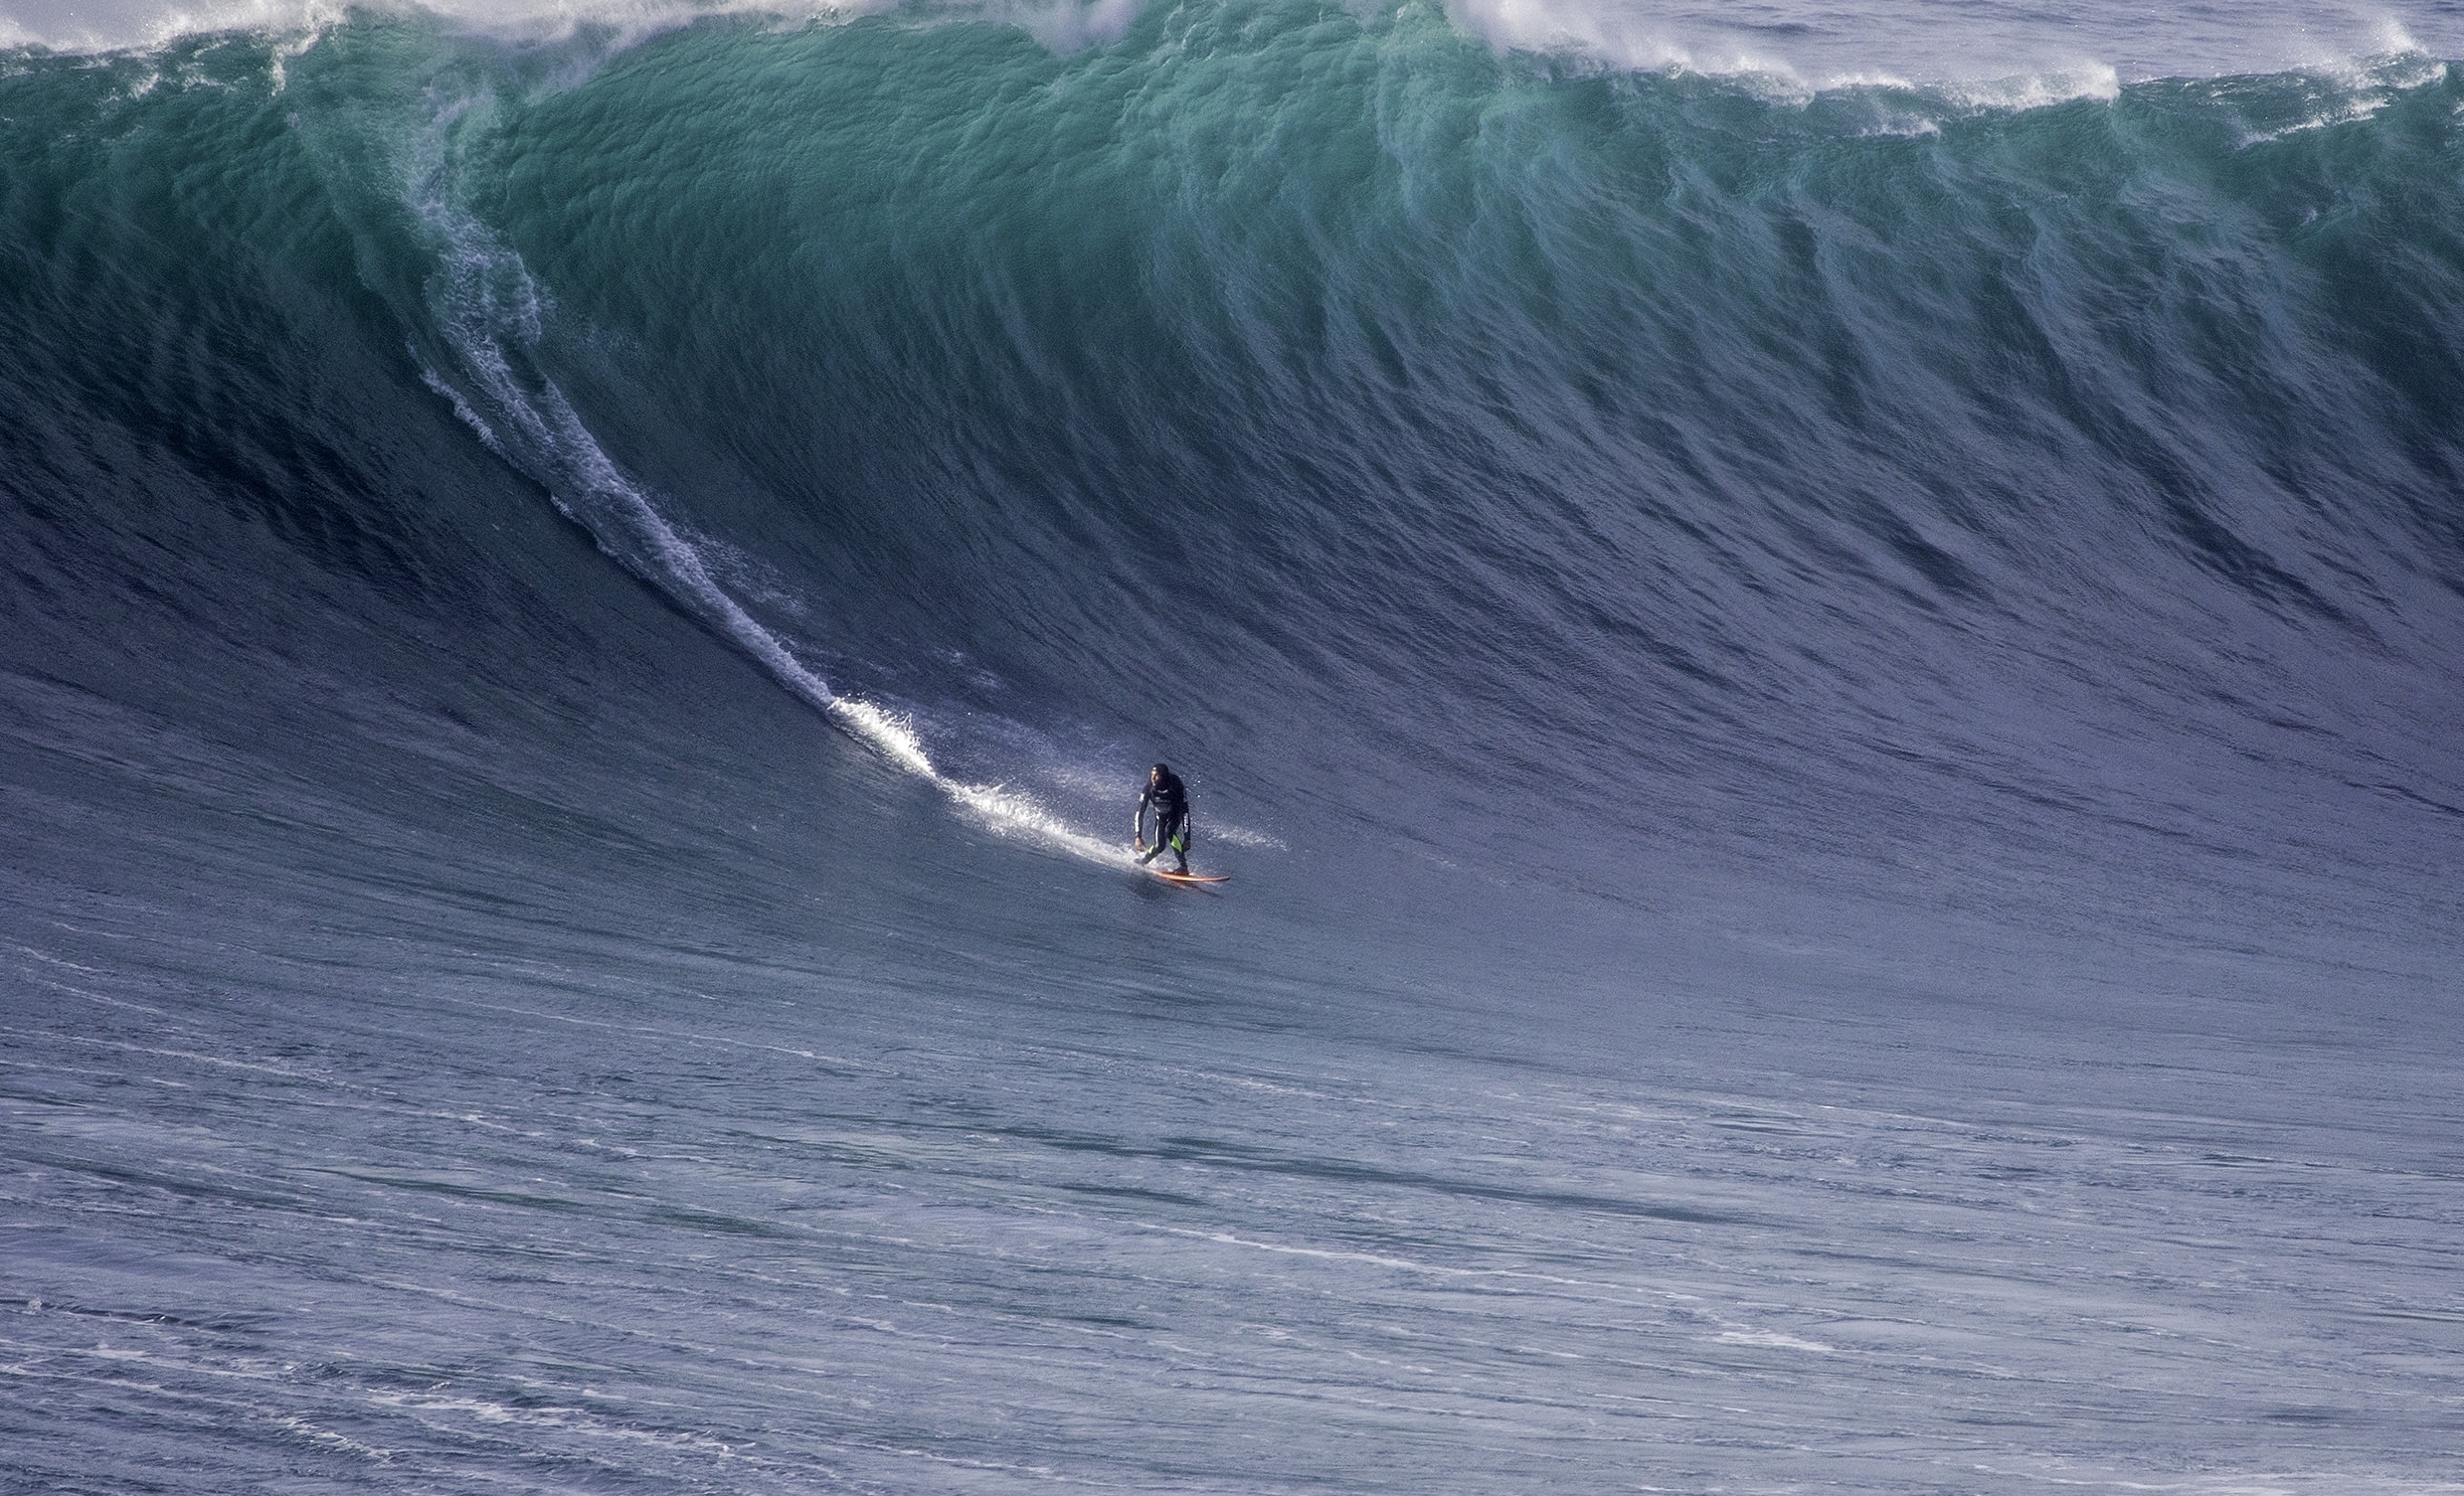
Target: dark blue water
x=1830 y=706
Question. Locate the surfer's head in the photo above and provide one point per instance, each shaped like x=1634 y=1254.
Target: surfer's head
x=1159 y=774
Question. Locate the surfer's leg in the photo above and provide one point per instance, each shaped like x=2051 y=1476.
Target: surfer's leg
x=1180 y=842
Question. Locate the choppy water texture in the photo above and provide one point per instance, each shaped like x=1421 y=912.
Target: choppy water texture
x=1827 y=670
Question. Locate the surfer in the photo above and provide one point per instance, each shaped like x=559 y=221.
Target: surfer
x=1171 y=800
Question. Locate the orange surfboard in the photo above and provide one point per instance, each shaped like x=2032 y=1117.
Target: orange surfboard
x=1192 y=877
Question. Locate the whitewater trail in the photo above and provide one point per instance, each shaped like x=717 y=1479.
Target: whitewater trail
x=488 y=305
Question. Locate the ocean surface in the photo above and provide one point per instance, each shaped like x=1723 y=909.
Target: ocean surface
x=1823 y=642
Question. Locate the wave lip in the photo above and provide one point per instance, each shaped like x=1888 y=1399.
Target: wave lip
x=1996 y=57
x=1988 y=56
x=114 y=26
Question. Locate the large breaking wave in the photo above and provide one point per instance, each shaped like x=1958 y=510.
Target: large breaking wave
x=1554 y=468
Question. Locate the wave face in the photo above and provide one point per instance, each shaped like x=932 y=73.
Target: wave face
x=1675 y=594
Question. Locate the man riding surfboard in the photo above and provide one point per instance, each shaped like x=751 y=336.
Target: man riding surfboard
x=1171 y=800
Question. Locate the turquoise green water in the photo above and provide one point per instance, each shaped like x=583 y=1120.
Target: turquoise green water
x=1829 y=709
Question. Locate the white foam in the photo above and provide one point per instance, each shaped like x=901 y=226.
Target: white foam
x=1243 y=836
x=1990 y=57
x=1665 y=40
x=114 y=26
x=1774 y=1340
x=1636 y=43
x=84 y=26
x=2343 y=111
x=2038 y=90
x=2357 y=90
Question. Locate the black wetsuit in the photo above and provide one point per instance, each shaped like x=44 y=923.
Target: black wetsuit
x=1171 y=807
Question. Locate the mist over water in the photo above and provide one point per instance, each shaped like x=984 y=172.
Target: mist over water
x=1822 y=645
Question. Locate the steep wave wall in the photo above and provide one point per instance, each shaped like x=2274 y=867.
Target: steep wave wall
x=1580 y=474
